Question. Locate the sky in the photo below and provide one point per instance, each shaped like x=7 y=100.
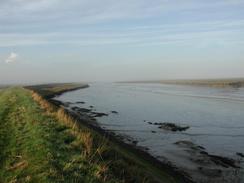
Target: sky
x=92 y=40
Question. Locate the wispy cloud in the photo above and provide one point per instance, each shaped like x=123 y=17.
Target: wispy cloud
x=186 y=33
x=11 y=58
x=43 y=22
x=103 y=30
x=93 y=11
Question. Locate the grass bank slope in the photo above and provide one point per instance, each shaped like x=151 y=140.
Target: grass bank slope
x=40 y=143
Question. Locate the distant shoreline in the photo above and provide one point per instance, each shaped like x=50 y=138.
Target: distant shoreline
x=233 y=83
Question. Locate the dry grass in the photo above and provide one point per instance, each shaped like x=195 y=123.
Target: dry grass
x=19 y=165
x=87 y=140
x=60 y=113
x=84 y=138
x=101 y=172
x=43 y=103
x=111 y=162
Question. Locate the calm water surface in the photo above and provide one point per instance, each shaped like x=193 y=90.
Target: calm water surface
x=215 y=115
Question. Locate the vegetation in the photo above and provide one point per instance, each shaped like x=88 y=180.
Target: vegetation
x=50 y=90
x=236 y=83
x=40 y=142
x=3 y=86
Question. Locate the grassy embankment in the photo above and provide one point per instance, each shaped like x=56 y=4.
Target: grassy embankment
x=41 y=143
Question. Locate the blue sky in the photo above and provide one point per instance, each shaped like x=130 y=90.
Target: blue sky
x=94 y=40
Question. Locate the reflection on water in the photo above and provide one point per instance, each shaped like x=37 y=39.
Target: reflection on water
x=215 y=115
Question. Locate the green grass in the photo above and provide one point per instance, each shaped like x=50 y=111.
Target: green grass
x=36 y=145
x=49 y=90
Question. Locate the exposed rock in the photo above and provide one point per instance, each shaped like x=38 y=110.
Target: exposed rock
x=57 y=102
x=80 y=102
x=75 y=108
x=211 y=171
x=84 y=110
x=66 y=104
x=114 y=112
x=158 y=123
x=201 y=157
x=78 y=109
x=169 y=126
x=186 y=143
x=172 y=127
x=224 y=161
x=134 y=142
x=93 y=119
x=98 y=114
x=201 y=147
x=153 y=131
x=240 y=154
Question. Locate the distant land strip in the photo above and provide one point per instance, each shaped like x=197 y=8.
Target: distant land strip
x=235 y=83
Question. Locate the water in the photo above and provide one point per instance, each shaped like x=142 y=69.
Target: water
x=215 y=116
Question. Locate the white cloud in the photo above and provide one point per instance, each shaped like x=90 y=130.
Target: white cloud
x=11 y=58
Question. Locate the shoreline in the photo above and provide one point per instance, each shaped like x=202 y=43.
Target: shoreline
x=48 y=145
x=173 y=170
x=67 y=90
x=218 y=83
x=49 y=91
x=200 y=153
x=119 y=143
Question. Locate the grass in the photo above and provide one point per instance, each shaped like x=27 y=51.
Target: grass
x=50 y=90
x=42 y=143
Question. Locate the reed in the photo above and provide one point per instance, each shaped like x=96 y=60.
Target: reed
x=84 y=137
